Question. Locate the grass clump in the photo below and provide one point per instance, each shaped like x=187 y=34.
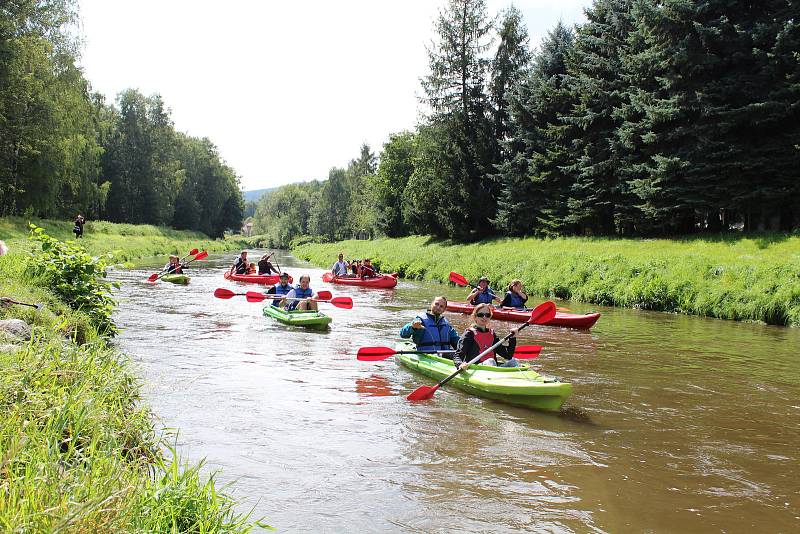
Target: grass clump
x=728 y=277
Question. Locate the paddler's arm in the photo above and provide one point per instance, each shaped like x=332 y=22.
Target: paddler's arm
x=465 y=351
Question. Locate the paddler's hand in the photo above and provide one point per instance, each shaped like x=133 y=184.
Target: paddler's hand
x=514 y=332
x=416 y=324
x=463 y=366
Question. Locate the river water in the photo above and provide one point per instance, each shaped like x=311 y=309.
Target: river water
x=676 y=424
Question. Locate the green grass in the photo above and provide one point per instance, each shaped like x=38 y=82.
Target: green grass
x=79 y=451
x=729 y=277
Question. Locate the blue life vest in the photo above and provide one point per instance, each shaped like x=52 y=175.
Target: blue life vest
x=515 y=300
x=279 y=290
x=299 y=294
x=436 y=335
x=484 y=297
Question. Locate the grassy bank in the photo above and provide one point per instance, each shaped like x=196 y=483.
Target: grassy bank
x=127 y=241
x=78 y=449
x=730 y=277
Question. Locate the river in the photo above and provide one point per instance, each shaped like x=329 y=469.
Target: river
x=676 y=423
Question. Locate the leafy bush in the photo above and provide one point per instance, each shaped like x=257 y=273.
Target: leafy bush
x=76 y=277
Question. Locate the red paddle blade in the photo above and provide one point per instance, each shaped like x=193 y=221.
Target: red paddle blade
x=192 y=252
x=153 y=277
x=343 y=302
x=543 y=313
x=324 y=295
x=203 y=255
x=458 y=279
x=527 y=352
x=423 y=393
x=374 y=354
x=222 y=293
x=254 y=296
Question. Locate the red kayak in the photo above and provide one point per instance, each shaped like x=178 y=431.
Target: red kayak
x=267 y=280
x=569 y=320
x=383 y=281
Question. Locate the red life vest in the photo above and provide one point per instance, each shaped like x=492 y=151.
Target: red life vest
x=484 y=341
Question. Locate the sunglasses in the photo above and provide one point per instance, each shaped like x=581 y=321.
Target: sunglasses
x=483 y=314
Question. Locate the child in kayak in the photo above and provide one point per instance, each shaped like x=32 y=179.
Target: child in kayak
x=515 y=296
x=482 y=294
x=431 y=332
x=480 y=337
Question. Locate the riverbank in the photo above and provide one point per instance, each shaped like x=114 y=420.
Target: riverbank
x=728 y=277
x=78 y=449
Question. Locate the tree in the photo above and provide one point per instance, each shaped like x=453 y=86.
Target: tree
x=394 y=172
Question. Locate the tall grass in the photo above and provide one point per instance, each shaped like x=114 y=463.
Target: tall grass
x=729 y=277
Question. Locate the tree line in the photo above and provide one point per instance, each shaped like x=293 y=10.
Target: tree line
x=663 y=117
x=64 y=150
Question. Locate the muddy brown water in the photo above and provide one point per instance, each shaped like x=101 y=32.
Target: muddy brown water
x=676 y=424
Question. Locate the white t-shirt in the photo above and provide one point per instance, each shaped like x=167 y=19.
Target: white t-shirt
x=339 y=268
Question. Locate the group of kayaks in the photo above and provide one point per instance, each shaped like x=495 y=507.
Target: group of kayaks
x=520 y=386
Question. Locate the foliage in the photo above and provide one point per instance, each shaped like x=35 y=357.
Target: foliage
x=76 y=277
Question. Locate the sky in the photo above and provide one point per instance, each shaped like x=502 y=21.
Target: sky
x=285 y=90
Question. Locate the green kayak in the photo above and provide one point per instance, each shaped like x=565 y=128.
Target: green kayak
x=176 y=278
x=309 y=319
x=521 y=386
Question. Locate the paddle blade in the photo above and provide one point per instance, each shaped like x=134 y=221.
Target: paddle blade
x=374 y=354
x=343 y=302
x=458 y=279
x=153 y=277
x=222 y=293
x=254 y=296
x=324 y=295
x=527 y=352
x=423 y=393
x=203 y=255
x=192 y=252
x=543 y=313
x=39 y=306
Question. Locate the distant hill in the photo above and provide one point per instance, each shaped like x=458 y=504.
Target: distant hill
x=254 y=195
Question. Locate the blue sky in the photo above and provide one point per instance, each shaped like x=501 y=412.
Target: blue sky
x=285 y=90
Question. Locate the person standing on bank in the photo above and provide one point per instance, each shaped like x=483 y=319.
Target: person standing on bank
x=78 y=228
x=480 y=337
x=482 y=294
x=431 y=332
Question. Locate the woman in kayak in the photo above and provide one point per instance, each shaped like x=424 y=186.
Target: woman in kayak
x=431 y=332
x=304 y=294
x=174 y=266
x=480 y=337
x=482 y=294
x=515 y=296
x=264 y=265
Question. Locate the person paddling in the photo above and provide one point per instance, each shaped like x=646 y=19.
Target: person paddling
x=480 y=337
x=240 y=266
x=340 y=267
x=264 y=265
x=482 y=294
x=515 y=296
x=283 y=288
x=431 y=332
x=174 y=266
x=367 y=270
x=303 y=292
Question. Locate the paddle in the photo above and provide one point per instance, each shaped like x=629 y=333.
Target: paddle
x=375 y=354
x=542 y=313
x=460 y=280
x=7 y=300
x=253 y=296
x=155 y=276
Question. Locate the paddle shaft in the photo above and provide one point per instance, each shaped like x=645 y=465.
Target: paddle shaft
x=477 y=358
x=12 y=301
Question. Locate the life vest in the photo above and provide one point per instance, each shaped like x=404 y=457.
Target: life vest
x=299 y=294
x=436 y=335
x=280 y=290
x=515 y=300
x=240 y=266
x=367 y=271
x=484 y=340
x=484 y=297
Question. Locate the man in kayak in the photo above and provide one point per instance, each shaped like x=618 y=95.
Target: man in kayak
x=340 y=267
x=480 y=337
x=431 y=332
x=264 y=265
x=283 y=288
x=515 y=296
x=367 y=270
x=240 y=265
x=482 y=294
x=304 y=294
